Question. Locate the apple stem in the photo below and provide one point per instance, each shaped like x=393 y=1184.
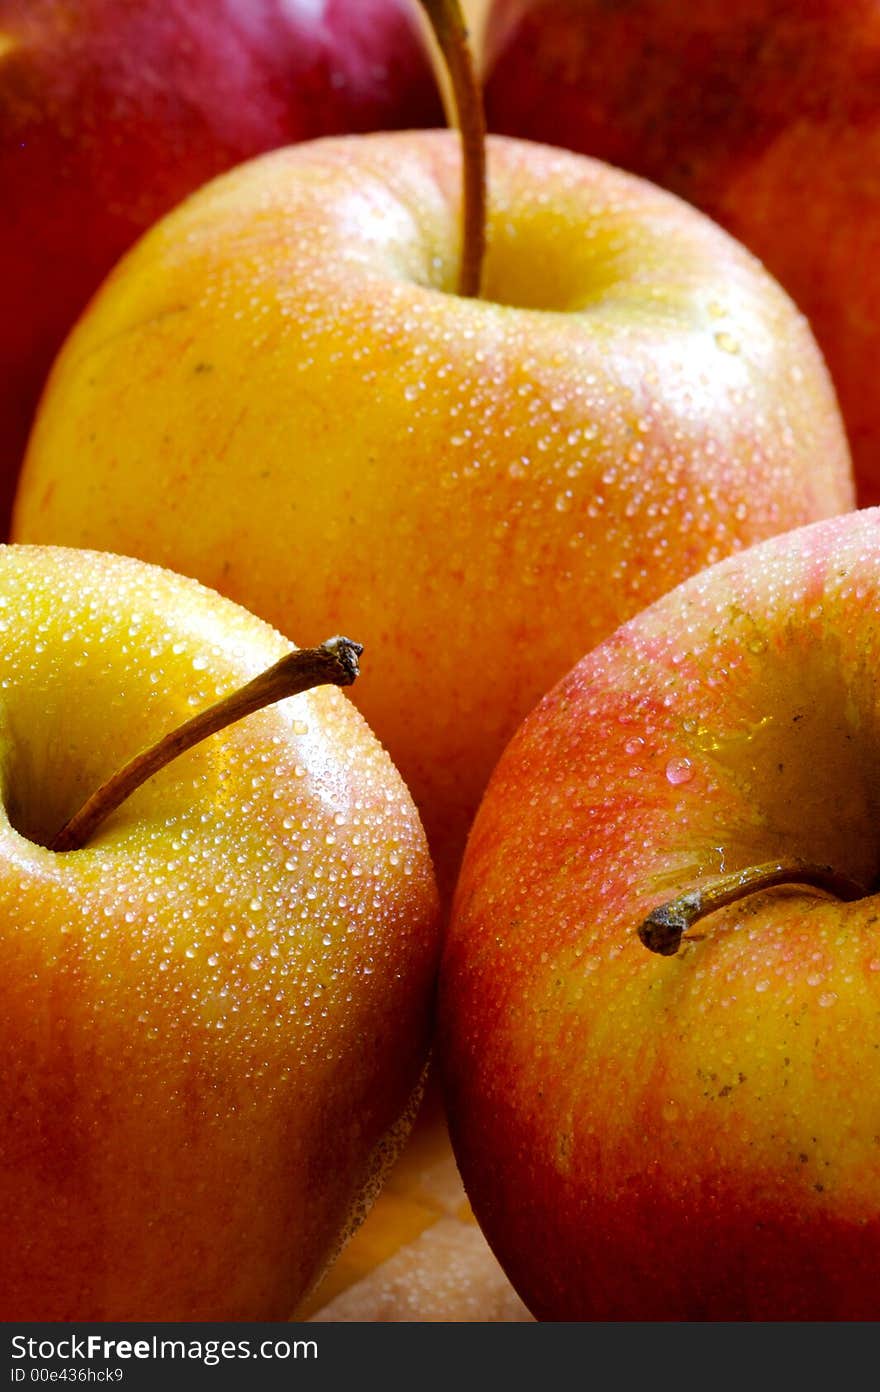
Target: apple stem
x=450 y=30
x=333 y=663
x=663 y=929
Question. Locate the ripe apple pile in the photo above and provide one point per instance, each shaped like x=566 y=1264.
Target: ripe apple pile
x=764 y=113
x=279 y=391
x=666 y=1125
x=111 y=112
x=337 y=386
x=216 y=1013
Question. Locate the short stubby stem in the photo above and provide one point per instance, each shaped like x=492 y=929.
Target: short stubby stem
x=333 y=663
x=665 y=926
x=448 y=24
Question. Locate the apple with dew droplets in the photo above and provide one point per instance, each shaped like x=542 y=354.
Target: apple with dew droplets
x=501 y=478
x=660 y=990
x=215 y=1007
x=763 y=113
x=112 y=112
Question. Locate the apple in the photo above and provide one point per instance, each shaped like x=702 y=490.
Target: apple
x=111 y=112
x=660 y=988
x=764 y=113
x=280 y=392
x=214 y=1014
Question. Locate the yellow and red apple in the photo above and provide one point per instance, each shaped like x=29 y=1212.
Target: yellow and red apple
x=214 y=1016
x=691 y=1135
x=279 y=392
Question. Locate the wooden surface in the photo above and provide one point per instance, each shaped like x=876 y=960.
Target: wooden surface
x=419 y=1255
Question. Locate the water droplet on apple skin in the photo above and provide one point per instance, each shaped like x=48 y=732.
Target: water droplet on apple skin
x=679 y=770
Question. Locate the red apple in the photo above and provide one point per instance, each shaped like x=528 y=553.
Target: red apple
x=764 y=113
x=691 y=1135
x=110 y=112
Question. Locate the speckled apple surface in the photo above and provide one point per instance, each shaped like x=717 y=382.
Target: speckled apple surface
x=214 y=1016
x=695 y=1136
x=278 y=393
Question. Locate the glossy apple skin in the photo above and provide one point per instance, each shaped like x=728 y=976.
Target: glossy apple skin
x=213 y=1018
x=689 y=1137
x=278 y=392
x=111 y=112
x=764 y=114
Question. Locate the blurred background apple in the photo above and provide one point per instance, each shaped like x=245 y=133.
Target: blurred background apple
x=112 y=111
x=764 y=113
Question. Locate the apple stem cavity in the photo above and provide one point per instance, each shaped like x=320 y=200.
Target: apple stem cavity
x=450 y=30
x=665 y=926
x=332 y=663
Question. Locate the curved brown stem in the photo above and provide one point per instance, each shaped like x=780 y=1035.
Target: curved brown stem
x=334 y=663
x=447 y=21
x=663 y=929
